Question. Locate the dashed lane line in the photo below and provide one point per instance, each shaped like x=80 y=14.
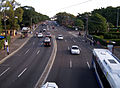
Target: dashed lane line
x=22 y=72
x=88 y=64
x=38 y=52
x=70 y=63
x=27 y=51
x=4 y=71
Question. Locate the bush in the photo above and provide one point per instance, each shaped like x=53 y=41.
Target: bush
x=111 y=35
x=101 y=40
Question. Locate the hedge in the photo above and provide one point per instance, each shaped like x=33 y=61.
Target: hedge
x=111 y=35
x=104 y=41
x=101 y=40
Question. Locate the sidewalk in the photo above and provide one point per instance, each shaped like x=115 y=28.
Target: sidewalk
x=16 y=42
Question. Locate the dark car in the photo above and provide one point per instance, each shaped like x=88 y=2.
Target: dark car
x=48 y=35
x=47 y=41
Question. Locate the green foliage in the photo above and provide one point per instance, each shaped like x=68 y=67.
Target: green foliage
x=102 y=41
x=97 y=23
x=0 y=23
x=19 y=13
x=65 y=19
x=110 y=13
x=112 y=35
x=30 y=16
x=79 y=23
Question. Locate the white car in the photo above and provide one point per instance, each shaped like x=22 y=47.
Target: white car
x=75 y=50
x=50 y=85
x=40 y=35
x=60 y=37
x=44 y=30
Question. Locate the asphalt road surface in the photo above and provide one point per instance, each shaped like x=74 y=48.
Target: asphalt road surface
x=72 y=71
x=23 y=69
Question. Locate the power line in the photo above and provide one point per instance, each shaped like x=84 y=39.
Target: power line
x=71 y=6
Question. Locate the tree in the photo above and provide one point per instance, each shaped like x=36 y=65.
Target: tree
x=97 y=23
x=110 y=13
x=79 y=23
x=0 y=24
x=65 y=19
x=30 y=16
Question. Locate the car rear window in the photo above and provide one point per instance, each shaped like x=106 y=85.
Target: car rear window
x=74 y=47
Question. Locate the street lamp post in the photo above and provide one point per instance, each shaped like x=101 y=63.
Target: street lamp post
x=5 y=26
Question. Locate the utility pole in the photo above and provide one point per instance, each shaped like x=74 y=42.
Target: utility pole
x=86 y=25
x=117 y=17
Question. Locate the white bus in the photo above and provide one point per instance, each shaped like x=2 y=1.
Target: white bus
x=107 y=68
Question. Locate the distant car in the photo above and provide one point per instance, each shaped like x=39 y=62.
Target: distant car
x=48 y=35
x=47 y=41
x=44 y=30
x=40 y=35
x=50 y=85
x=60 y=37
x=75 y=50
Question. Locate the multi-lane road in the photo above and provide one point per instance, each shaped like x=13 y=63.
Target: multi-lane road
x=24 y=68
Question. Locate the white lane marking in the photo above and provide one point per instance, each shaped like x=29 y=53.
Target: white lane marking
x=74 y=41
x=65 y=40
x=33 y=43
x=4 y=71
x=38 y=52
x=70 y=63
x=27 y=51
x=22 y=72
x=88 y=64
x=68 y=48
x=42 y=43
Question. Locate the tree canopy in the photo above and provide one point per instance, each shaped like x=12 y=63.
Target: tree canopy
x=31 y=16
x=97 y=23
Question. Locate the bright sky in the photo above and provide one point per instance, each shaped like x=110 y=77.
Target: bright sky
x=51 y=7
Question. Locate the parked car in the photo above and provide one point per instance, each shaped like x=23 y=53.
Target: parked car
x=60 y=37
x=75 y=50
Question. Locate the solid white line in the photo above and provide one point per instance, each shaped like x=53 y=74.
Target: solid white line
x=65 y=40
x=4 y=71
x=22 y=72
x=70 y=63
x=27 y=51
x=88 y=64
x=38 y=52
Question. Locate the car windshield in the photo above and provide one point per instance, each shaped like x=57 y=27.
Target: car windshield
x=60 y=36
x=74 y=47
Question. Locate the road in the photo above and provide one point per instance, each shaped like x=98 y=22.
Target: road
x=72 y=71
x=23 y=69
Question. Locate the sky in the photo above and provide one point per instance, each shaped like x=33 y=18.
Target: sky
x=51 y=7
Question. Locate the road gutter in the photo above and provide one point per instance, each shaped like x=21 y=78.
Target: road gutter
x=48 y=67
